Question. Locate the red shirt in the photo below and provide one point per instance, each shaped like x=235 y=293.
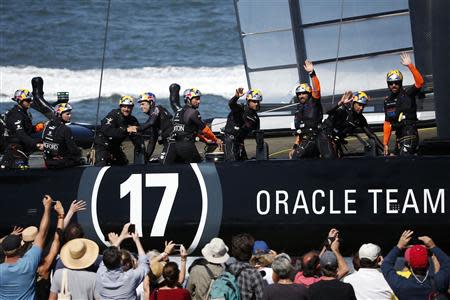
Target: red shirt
x=171 y=294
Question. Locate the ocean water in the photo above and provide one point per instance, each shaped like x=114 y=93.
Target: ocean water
x=151 y=44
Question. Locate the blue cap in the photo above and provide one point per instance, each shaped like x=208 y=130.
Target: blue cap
x=260 y=247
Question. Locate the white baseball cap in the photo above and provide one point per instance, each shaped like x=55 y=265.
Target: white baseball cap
x=369 y=251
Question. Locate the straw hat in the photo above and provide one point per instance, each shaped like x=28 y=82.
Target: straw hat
x=79 y=254
x=216 y=251
x=29 y=233
x=157 y=269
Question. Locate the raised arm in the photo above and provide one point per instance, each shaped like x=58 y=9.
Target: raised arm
x=406 y=61
x=183 y=255
x=75 y=206
x=233 y=101
x=44 y=268
x=387 y=132
x=309 y=67
x=45 y=223
x=342 y=265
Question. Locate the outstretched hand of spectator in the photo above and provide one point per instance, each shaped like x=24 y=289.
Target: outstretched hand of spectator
x=404 y=239
x=427 y=241
x=77 y=205
x=113 y=238
x=335 y=244
x=125 y=233
x=59 y=208
x=183 y=252
x=17 y=230
x=47 y=201
x=169 y=247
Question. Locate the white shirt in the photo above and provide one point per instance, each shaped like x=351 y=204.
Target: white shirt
x=369 y=284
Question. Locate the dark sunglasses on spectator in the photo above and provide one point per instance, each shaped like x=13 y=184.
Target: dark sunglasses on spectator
x=394 y=82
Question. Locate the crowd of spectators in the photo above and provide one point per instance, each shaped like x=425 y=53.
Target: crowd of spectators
x=69 y=266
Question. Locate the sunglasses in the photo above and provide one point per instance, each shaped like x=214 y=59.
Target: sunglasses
x=394 y=82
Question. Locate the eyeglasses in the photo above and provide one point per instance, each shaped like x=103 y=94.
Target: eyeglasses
x=254 y=101
x=394 y=82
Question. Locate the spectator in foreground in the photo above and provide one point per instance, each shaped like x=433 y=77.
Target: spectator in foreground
x=368 y=282
x=77 y=255
x=201 y=275
x=171 y=290
x=18 y=274
x=248 y=278
x=112 y=281
x=283 y=287
x=262 y=259
x=310 y=272
x=310 y=262
x=420 y=284
x=157 y=261
x=330 y=287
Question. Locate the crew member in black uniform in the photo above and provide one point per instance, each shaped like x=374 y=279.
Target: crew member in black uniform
x=60 y=149
x=241 y=121
x=308 y=117
x=401 y=110
x=187 y=125
x=19 y=128
x=158 y=126
x=115 y=128
x=344 y=120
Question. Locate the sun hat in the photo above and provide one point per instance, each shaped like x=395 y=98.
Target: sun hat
x=29 y=233
x=79 y=254
x=157 y=268
x=216 y=251
x=369 y=251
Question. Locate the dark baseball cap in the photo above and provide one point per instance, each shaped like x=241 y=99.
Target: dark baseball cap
x=328 y=260
x=11 y=242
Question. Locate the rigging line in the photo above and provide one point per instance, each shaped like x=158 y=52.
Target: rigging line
x=337 y=51
x=101 y=72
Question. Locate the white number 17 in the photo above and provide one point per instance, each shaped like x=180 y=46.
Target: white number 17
x=133 y=186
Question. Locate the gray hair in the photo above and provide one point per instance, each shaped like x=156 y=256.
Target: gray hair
x=282 y=265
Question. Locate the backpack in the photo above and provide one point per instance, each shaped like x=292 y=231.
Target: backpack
x=224 y=286
x=65 y=293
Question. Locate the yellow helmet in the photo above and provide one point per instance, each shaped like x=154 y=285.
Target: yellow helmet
x=361 y=98
x=21 y=95
x=394 y=75
x=254 y=95
x=126 y=100
x=303 y=88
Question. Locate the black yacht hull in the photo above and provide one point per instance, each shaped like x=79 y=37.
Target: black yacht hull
x=291 y=204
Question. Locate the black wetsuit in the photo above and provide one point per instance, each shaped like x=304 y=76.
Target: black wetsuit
x=157 y=128
x=343 y=121
x=401 y=111
x=241 y=121
x=307 y=120
x=60 y=150
x=187 y=123
x=20 y=144
x=112 y=132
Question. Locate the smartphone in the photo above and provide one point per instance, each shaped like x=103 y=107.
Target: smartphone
x=132 y=228
x=177 y=247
